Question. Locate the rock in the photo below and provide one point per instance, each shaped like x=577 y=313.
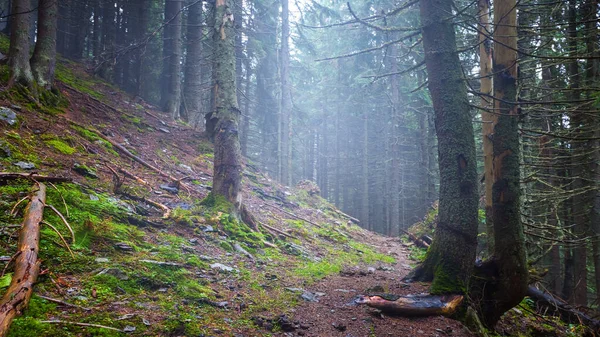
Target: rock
x=295 y=290
x=102 y=260
x=85 y=171
x=16 y=107
x=242 y=251
x=339 y=326
x=94 y=198
x=170 y=189
x=285 y=324
x=309 y=297
x=222 y=267
x=186 y=167
x=208 y=229
x=370 y=270
x=123 y=246
x=129 y=328
x=116 y=272
x=8 y=116
x=375 y=289
x=146 y=322
x=25 y=165
x=164 y=130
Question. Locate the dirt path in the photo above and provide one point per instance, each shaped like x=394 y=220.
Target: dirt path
x=334 y=315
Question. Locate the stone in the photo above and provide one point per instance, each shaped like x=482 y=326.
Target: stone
x=129 y=328
x=84 y=171
x=164 y=130
x=25 y=165
x=222 y=267
x=339 y=326
x=8 y=116
x=102 y=260
x=4 y=150
x=370 y=270
x=170 y=189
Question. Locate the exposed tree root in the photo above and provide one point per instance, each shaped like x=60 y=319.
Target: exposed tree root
x=419 y=305
x=27 y=265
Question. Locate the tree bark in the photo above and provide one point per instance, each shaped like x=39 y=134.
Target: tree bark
x=227 y=174
x=43 y=60
x=27 y=265
x=18 y=52
x=449 y=261
x=171 y=94
x=192 y=89
x=286 y=98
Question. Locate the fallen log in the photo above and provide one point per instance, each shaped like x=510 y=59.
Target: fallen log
x=416 y=240
x=36 y=177
x=27 y=265
x=417 y=305
x=294 y=215
x=561 y=308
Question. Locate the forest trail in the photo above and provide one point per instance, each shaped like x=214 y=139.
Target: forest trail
x=335 y=314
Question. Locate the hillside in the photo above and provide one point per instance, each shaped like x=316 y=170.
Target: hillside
x=152 y=257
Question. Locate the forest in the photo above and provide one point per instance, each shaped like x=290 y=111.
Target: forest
x=438 y=158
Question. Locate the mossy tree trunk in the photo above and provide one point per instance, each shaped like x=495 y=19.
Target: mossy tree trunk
x=43 y=60
x=227 y=174
x=450 y=258
x=18 y=52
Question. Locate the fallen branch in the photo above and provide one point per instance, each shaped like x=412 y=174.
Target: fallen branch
x=561 y=308
x=133 y=176
x=66 y=304
x=64 y=221
x=294 y=215
x=279 y=231
x=166 y=210
x=420 y=305
x=416 y=240
x=347 y=216
x=62 y=238
x=83 y=324
x=27 y=265
x=32 y=176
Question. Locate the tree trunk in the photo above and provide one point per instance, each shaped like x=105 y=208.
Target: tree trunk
x=509 y=242
x=192 y=89
x=44 y=55
x=450 y=258
x=227 y=174
x=108 y=40
x=286 y=98
x=18 y=52
x=364 y=188
x=171 y=94
x=488 y=118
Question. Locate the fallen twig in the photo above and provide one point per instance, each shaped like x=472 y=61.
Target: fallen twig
x=27 y=265
x=64 y=221
x=279 y=231
x=61 y=196
x=167 y=210
x=50 y=299
x=62 y=238
x=82 y=324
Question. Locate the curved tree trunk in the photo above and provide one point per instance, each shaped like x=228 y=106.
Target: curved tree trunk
x=43 y=60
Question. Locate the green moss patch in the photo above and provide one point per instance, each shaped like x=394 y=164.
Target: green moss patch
x=61 y=146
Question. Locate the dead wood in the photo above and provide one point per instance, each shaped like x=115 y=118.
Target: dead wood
x=416 y=240
x=344 y=215
x=166 y=209
x=27 y=265
x=294 y=215
x=558 y=307
x=82 y=324
x=132 y=176
x=279 y=231
x=419 y=305
x=36 y=177
x=66 y=304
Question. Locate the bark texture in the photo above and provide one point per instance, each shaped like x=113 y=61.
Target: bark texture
x=227 y=163
x=43 y=60
x=192 y=90
x=18 y=52
x=27 y=265
x=450 y=258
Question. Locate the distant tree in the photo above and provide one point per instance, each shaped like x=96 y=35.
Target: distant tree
x=285 y=161
x=192 y=88
x=172 y=47
x=44 y=55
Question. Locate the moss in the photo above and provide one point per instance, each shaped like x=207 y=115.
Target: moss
x=93 y=137
x=216 y=203
x=205 y=147
x=28 y=324
x=4 y=43
x=61 y=146
x=239 y=231
x=79 y=83
x=226 y=246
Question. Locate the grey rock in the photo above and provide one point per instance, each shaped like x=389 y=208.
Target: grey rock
x=164 y=130
x=222 y=267
x=170 y=189
x=8 y=115
x=295 y=290
x=94 y=198
x=116 y=272
x=123 y=246
x=309 y=297
x=186 y=167
x=129 y=328
x=25 y=165
x=208 y=229
x=146 y=322
x=4 y=150
x=102 y=260
x=370 y=270
x=84 y=171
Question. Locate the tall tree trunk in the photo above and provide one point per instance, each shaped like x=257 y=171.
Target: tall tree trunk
x=450 y=258
x=286 y=97
x=509 y=242
x=44 y=55
x=108 y=40
x=394 y=204
x=488 y=118
x=18 y=52
x=364 y=188
x=171 y=94
x=227 y=174
x=581 y=202
x=192 y=89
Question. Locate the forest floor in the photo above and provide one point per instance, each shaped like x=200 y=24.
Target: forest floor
x=197 y=271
